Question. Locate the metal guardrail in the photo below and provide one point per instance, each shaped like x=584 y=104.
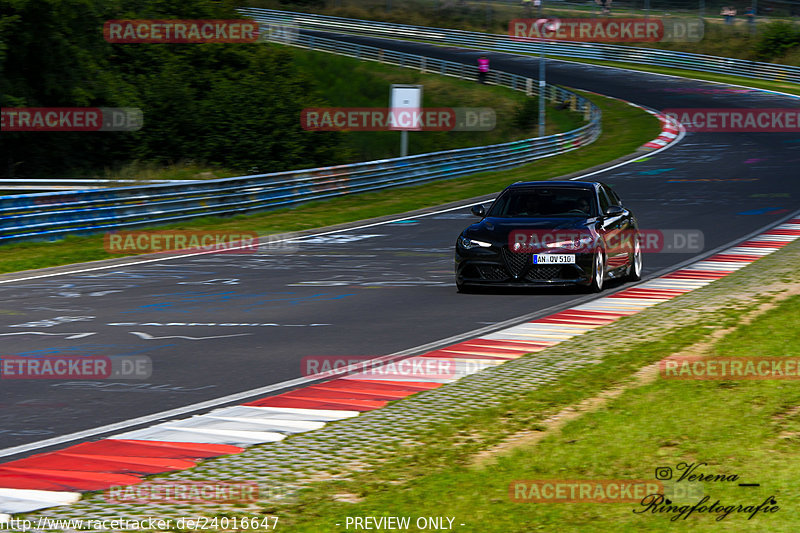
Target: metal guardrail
x=71 y=184
x=53 y=215
x=504 y=43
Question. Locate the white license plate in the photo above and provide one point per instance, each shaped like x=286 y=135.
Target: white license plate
x=550 y=259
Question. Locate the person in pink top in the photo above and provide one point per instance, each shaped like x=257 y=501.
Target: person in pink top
x=483 y=68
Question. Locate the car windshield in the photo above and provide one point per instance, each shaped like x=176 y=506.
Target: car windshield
x=544 y=202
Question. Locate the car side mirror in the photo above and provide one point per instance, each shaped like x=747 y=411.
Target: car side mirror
x=478 y=211
x=613 y=211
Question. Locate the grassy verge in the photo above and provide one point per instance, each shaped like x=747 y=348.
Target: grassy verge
x=367 y=84
x=745 y=428
x=624 y=129
x=146 y=171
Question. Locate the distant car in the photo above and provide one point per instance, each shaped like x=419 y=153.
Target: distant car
x=550 y=233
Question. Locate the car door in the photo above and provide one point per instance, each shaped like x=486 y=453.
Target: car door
x=630 y=228
x=616 y=229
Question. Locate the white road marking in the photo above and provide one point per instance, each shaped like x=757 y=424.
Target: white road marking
x=233 y=281
x=69 y=335
x=148 y=337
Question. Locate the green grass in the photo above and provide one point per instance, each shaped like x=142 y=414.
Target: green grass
x=747 y=428
x=145 y=171
x=625 y=128
x=367 y=84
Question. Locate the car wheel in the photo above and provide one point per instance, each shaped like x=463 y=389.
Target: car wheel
x=635 y=270
x=598 y=271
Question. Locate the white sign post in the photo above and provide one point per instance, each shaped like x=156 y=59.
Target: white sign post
x=406 y=104
x=545 y=25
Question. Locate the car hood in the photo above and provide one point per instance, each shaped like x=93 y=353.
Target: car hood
x=497 y=229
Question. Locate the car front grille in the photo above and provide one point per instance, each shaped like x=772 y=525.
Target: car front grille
x=543 y=272
x=492 y=272
x=516 y=262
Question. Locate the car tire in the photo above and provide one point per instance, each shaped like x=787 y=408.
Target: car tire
x=635 y=270
x=462 y=289
x=598 y=271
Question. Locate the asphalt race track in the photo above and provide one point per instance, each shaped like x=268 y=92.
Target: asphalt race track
x=214 y=325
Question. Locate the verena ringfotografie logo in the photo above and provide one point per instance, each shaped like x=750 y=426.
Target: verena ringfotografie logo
x=385 y=119
x=650 y=241
x=76 y=367
x=50 y=119
x=185 y=492
x=607 y=30
x=583 y=490
x=773 y=120
x=729 y=368
x=180 y=31
x=180 y=242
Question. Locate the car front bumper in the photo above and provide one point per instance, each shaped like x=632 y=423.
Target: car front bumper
x=502 y=268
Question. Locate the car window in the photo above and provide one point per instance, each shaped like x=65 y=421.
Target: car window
x=612 y=196
x=544 y=202
x=604 y=201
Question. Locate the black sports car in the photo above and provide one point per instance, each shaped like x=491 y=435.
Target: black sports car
x=550 y=233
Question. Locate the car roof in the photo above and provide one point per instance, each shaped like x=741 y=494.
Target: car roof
x=550 y=184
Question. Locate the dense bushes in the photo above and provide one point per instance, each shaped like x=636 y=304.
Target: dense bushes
x=775 y=39
x=232 y=105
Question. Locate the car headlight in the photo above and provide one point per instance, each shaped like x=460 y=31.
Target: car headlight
x=468 y=244
x=571 y=244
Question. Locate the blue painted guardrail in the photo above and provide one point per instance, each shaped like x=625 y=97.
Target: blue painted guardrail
x=51 y=216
